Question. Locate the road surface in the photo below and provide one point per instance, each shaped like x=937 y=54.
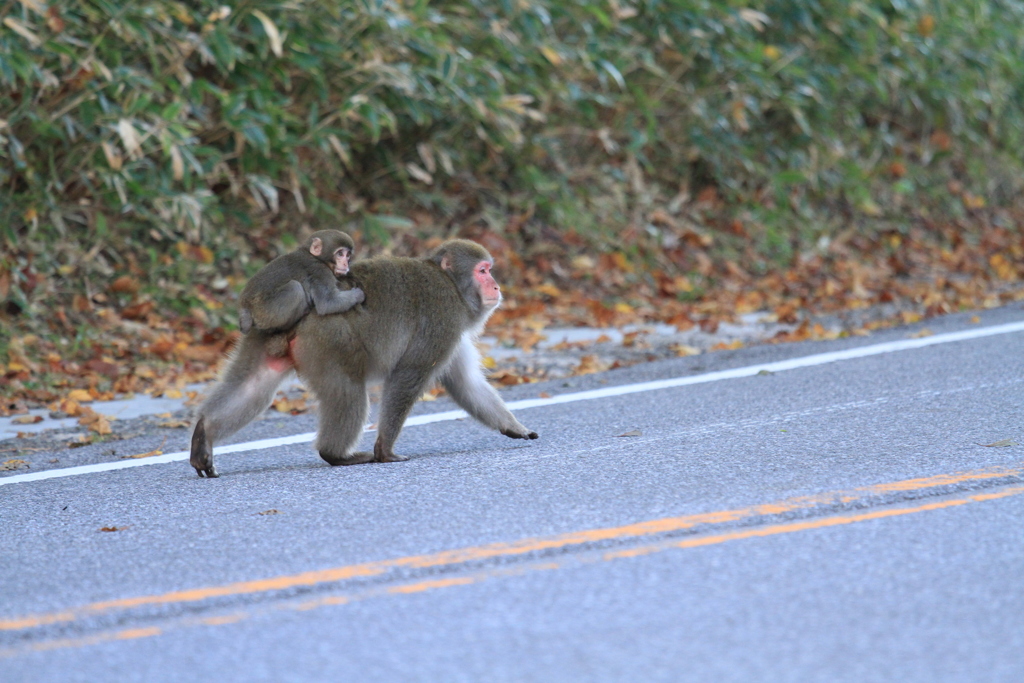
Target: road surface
x=831 y=511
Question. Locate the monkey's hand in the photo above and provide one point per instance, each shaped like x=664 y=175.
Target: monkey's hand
x=519 y=432
x=338 y=301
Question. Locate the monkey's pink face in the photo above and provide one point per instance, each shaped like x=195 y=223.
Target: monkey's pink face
x=490 y=293
x=341 y=261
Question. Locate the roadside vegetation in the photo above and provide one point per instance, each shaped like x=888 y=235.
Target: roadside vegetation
x=683 y=161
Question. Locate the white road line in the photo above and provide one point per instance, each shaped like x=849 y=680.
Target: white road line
x=746 y=371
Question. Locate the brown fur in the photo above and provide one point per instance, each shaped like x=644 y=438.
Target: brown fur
x=417 y=325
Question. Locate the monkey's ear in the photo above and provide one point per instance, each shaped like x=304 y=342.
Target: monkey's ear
x=316 y=246
x=446 y=262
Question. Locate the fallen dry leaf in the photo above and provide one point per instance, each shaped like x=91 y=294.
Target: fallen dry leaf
x=291 y=406
x=590 y=364
x=1000 y=444
x=629 y=339
x=549 y=290
x=506 y=378
x=68 y=407
x=142 y=455
x=125 y=285
x=13 y=465
x=633 y=432
x=174 y=424
x=923 y=332
x=80 y=395
x=269 y=512
x=113 y=528
x=96 y=423
x=27 y=420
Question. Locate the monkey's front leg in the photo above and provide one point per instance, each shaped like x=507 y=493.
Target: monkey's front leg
x=465 y=382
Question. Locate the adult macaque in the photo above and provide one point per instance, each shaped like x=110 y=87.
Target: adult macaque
x=418 y=325
x=284 y=291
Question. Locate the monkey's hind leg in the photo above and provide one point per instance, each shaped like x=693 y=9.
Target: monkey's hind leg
x=283 y=310
x=343 y=408
x=401 y=390
x=201 y=457
x=244 y=391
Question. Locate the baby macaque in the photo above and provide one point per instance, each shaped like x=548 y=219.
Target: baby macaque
x=283 y=292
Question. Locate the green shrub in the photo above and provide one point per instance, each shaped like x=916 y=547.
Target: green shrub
x=135 y=125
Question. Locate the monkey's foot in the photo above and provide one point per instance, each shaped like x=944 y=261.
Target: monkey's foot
x=385 y=454
x=201 y=457
x=517 y=434
x=209 y=472
x=390 y=457
x=351 y=459
x=278 y=346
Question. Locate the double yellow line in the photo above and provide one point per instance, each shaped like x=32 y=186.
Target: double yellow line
x=463 y=559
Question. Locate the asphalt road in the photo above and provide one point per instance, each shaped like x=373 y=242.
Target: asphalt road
x=842 y=521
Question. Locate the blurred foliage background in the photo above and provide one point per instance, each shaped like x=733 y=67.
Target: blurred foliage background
x=182 y=144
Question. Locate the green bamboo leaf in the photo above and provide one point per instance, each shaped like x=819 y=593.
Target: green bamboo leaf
x=614 y=72
x=273 y=36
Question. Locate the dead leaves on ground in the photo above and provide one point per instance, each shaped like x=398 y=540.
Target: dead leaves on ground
x=692 y=271
x=100 y=424
x=292 y=406
x=128 y=360
x=507 y=378
x=591 y=363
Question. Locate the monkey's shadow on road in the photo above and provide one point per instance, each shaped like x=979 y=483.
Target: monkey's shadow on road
x=414 y=455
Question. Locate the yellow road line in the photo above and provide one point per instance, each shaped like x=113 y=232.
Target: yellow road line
x=515 y=548
x=421 y=586
x=823 y=523
x=63 y=643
